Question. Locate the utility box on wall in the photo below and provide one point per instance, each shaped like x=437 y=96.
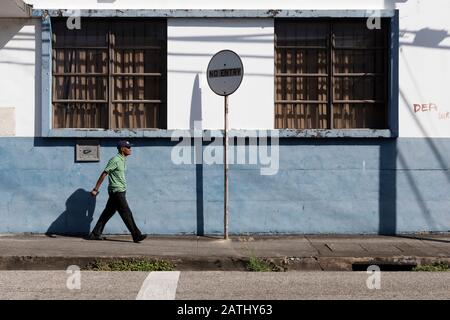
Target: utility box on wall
x=87 y=151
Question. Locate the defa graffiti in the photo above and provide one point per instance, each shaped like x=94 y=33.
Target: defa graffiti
x=431 y=108
x=425 y=107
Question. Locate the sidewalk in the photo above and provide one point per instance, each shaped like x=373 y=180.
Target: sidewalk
x=309 y=252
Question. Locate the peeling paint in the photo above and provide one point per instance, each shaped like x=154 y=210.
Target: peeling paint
x=223 y=13
x=273 y=13
x=282 y=133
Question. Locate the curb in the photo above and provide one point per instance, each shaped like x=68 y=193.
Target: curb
x=393 y=263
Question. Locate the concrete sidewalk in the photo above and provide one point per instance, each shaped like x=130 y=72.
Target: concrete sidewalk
x=308 y=252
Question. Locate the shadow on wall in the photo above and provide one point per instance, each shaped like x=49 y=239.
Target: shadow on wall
x=434 y=152
x=387 y=180
x=426 y=38
x=195 y=123
x=391 y=4
x=11 y=28
x=76 y=219
x=387 y=204
x=196 y=103
x=389 y=153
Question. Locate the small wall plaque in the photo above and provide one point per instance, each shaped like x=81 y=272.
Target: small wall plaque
x=87 y=150
x=7 y=122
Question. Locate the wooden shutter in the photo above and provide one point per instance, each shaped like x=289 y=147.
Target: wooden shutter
x=109 y=74
x=139 y=91
x=301 y=77
x=330 y=74
x=359 y=68
x=80 y=75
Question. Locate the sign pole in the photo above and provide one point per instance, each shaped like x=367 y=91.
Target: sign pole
x=225 y=162
x=224 y=73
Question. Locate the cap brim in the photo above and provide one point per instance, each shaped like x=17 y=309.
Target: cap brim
x=125 y=145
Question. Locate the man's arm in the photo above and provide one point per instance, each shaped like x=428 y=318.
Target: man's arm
x=94 y=191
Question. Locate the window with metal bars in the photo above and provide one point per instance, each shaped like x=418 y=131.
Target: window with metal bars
x=109 y=74
x=330 y=74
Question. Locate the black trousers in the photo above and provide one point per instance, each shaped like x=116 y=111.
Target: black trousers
x=117 y=201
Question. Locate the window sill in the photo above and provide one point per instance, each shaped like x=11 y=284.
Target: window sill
x=162 y=133
x=102 y=133
x=338 y=133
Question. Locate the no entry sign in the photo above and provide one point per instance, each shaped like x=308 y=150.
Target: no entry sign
x=225 y=72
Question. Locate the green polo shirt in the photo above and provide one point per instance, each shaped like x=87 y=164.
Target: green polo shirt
x=116 y=173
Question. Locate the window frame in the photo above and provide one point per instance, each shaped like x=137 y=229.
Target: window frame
x=45 y=85
x=332 y=77
x=47 y=100
x=110 y=77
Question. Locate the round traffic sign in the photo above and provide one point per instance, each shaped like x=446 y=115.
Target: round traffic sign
x=225 y=72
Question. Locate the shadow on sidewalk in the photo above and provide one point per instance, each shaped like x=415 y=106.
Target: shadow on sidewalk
x=116 y=240
x=76 y=219
x=422 y=238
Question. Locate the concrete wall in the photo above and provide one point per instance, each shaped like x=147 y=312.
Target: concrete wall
x=322 y=186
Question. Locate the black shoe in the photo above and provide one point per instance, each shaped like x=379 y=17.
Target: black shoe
x=94 y=237
x=139 y=238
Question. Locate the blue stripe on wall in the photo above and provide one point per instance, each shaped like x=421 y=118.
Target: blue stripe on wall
x=322 y=186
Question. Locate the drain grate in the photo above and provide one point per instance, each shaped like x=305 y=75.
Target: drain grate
x=384 y=266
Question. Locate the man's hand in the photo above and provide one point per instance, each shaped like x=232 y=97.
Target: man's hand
x=94 y=193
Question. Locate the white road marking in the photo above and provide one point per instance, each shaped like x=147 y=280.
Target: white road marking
x=159 y=285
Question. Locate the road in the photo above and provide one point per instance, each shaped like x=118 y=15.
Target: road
x=221 y=285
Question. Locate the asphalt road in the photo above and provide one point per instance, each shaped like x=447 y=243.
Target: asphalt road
x=222 y=285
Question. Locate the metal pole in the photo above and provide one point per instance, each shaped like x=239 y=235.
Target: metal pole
x=225 y=165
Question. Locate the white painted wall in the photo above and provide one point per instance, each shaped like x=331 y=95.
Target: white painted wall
x=424 y=63
x=424 y=68
x=191 y=45
x=17 y=72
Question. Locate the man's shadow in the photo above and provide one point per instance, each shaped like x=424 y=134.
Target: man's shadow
x=76 y=219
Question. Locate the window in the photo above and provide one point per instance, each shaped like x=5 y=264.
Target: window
x=109 y=74
x=330 y=74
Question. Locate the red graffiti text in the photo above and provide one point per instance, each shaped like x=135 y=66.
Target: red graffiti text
x=425 y=107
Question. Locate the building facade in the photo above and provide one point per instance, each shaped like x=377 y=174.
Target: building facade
x=341 y=123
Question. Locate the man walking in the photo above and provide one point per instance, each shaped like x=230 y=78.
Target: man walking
x=115 y=170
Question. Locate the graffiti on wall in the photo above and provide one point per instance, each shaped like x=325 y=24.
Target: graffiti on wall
x=420 y=108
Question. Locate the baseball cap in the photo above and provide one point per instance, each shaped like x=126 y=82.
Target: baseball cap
x=123 y=143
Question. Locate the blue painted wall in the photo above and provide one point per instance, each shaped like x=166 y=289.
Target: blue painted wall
x=323 y=186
